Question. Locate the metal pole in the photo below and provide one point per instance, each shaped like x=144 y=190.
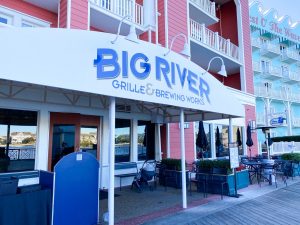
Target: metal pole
x=111 y=192
x=183 y=170
x=7 y=139
x=168 y=140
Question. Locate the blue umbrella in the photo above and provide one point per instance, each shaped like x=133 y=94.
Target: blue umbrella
x=218 y=142
x=238 y=137
x=249 y=141
x=201 y=141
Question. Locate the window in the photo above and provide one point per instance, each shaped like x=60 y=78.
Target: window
x=146 y=140
x=199 y=151
x=88 y=140
x=5 y=19
x=265 y=66
x=235 y=138
x=17 y=140
x=122 y=140
x=285 y=71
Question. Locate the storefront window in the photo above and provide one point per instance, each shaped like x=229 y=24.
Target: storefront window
x=222 y=141
x=122 y=140
x=17 y=140
x=146 y=140
x=88 y=140
x=235 y=138
x=200 y=152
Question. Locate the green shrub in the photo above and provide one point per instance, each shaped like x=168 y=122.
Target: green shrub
x=286 y=138
x=291 y=156
x=209 y=164
x=172 y=164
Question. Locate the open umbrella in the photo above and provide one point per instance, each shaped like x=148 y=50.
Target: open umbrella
x=201 y=141
x=218 y=142
x=238 y=137
x=249 y=141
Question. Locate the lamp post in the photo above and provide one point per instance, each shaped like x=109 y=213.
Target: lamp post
x=132 y=32
x=186 y=48
x=222 y=72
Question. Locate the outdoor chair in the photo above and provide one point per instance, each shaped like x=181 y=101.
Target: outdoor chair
x=218 y=178
x=200 y=179
x=279 y=170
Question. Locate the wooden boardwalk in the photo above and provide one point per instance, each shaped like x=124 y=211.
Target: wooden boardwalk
x=278 y=207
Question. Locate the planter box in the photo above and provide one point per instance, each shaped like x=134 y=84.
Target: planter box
x=242 y=178
x=171 y=178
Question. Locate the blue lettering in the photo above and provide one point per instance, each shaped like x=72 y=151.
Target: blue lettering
x=173 y=73
x=143 y=65
x=162 y=66
x=204 y=89
x=125 y=64
x=182 y=75
x=192 y=82
x=103 y=62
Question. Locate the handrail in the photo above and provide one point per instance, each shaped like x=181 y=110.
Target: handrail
x=206 y=5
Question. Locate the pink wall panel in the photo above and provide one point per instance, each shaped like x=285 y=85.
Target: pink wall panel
x=32 y=10
x=247 y=46
x=79 y=14
x=63 y=14
x=161 y=23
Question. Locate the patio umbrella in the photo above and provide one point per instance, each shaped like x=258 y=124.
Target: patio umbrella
x=249 y=141
x=218 y=141
x=238 y=137
x=201 y=141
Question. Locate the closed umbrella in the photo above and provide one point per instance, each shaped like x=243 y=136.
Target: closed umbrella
x=218 y=142
x=249 y=141
x=238 y=137
x=201 y=141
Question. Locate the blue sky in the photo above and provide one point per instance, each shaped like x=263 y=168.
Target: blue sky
x=284 y=7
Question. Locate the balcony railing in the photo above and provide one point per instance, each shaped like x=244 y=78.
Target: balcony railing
x=256 y=66
x=123 y=8
x=296 y=122
x=206 y=5
x=291 y=76
x=260 y=119
x=213 y=40
x=270 y=49
x=289 y=55
x=256 y=42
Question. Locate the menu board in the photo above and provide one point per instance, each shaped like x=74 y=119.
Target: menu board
x=234 y=157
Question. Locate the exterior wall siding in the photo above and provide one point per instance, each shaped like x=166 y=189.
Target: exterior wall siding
x=63 y=13
x=32 y=10
x=79 y=14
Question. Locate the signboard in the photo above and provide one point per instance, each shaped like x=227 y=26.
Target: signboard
x=88 y=62
x=234 y=157
x=278 y=119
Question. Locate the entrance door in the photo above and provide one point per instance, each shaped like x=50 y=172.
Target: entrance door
x=70 y=132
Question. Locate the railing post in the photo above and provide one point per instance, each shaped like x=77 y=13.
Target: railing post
x=203 y=39
x=213 y=8
x=217 y=41
x=133 y=12
x=228 y=52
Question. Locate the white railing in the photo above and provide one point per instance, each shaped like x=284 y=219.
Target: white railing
x=206 y=5
x=212 y=39
x=288 y=53
x=285 y=147
x=263 y=92
x=260 y=119
x=296 y=122
x=292 y=75
x=256 y=42
x=273 y=70
x=256 y=66
x=271 y=48
x=295 y=97
x=123 y=8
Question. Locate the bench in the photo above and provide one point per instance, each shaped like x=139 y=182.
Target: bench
x=126 y=166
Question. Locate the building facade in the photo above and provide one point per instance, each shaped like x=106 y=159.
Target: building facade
x=275 y=51
x=65 y=121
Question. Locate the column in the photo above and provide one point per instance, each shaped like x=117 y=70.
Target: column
x=230 y=131
x=183 y=170
x=168 y=140
x=111 y=192
x=42 y=143
x=157 y=142
x=213 y=140
x=134 y=141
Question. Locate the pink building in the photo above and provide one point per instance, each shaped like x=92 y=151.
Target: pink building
x=212 y=29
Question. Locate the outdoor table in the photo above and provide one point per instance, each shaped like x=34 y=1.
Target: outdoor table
x=254 y=168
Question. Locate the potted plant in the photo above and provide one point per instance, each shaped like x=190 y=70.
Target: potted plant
x=170 y=173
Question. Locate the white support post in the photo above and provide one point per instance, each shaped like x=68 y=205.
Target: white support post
x=183 y=170
x=157 y=142
x=267 y=111
x=168 y=140
x=203 y=34
x=228 y=52
x=42 y=144
x=111 y=192
x=134 y=141
x=69 y=14
x=213 y=141
x=244 y=141
x=289 y=118
x=217 y=42
x=230 y=131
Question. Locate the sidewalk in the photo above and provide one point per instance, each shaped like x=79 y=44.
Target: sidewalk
x=253 y=207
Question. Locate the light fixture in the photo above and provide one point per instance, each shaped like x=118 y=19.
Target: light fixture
x=186 y=48
x=132 y=32
x=222 y=72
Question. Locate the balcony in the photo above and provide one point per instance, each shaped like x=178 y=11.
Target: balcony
x=263 y=92
x=260 y=119
x=271 y=72
x=256 y=66
x=295 y=97
x=295 y=122
x=105 y=15
x=269 y=50
x=203 y=11
x=205 y=42
x=290 y=77
x=256 y=43
x=289 y=56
